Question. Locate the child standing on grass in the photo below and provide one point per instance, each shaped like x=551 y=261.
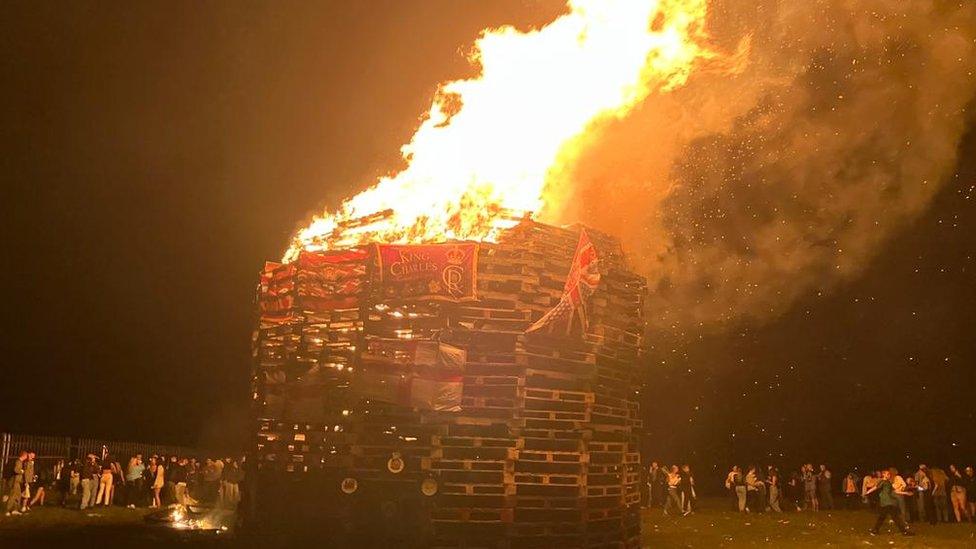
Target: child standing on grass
x=888 y=505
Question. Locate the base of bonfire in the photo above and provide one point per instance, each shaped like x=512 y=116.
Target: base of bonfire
x=544 y=450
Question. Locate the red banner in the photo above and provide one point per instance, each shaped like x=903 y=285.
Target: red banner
x=434 y=271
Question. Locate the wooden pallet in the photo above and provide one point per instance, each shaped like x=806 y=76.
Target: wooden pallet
x=541 y=453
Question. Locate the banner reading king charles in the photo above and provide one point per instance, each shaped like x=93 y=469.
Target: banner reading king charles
x=431 y=271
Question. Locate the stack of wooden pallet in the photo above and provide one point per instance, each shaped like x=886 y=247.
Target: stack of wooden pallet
x=543 y=450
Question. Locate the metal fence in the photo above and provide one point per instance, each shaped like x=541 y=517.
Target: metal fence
x=51 y=449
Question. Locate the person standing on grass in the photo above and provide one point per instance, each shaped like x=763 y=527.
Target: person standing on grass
x=64 y=477
x=674 y=501
x=810 y=500
x=957 y=493
x=88 y=487
x=687 y=488
x=105 y=483
x=899 y=484
x=911 y=501
x=16 y=484
x=868 y=496
x=45 y=481
x=825 y=494
x=75 y=476
x=177 y=475
x=657 y=482
x=211 y=480
x=752 y=490
x=970 y=480
x=940 y=494
x=192 y=480
x=170 y=488
x=231 y=481
x=795 y=489
x=133 y=481
x=762 y=497
x=849 y=486
x=774 y=491
x=923 y=491
x=732 y=482
x=888 y=504
x=30 y=482
x=158 y=475
x=770 y=472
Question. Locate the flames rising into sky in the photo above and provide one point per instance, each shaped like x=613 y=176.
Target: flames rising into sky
x=746 y=152
x=480 y=158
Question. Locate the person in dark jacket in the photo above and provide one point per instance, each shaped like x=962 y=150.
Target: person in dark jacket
x=231 y=477
x=169 y=489
x=888 y=504
x=911 y=502
x=64 y=474
x=970 y=479
x=686 y=487
x=657 y=481
x=89 y=475
x=177 y=475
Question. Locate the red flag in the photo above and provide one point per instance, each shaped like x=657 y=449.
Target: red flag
x=581 y=282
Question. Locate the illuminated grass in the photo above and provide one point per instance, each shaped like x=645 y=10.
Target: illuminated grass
x=715 y=526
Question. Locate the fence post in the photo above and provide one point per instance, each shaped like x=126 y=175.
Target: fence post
x=4 y=452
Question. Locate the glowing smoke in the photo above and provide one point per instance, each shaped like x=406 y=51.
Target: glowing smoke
x=739 y=193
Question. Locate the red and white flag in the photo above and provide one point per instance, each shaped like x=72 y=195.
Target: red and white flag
x=581 y=282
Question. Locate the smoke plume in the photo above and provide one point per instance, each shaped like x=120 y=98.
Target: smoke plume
x=738 y=193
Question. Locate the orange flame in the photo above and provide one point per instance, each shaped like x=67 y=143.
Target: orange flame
x=479 y=161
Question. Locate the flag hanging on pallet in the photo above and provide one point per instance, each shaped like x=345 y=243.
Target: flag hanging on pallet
x=581 y=282
x=421 y=374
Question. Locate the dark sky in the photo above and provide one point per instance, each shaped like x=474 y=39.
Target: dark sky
x=156 y=153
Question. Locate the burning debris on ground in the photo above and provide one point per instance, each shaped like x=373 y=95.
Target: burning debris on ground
x=194 y=518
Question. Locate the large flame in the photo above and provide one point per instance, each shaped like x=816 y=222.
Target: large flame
x=479 y=160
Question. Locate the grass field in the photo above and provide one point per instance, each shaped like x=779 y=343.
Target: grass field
x=53 y=517
x=715 y=526
x=712 y=526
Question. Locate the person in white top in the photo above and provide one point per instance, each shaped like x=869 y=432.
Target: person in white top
x=899 y=484
x=158 y=473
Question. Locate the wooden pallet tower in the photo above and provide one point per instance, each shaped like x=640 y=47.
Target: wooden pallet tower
x=541 y=452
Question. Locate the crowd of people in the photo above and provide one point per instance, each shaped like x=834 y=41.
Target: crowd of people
x=94 y=481
x=928 y=494
x=923 y=495
x=671 y=488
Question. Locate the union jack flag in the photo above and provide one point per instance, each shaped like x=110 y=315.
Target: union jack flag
x=581 y=282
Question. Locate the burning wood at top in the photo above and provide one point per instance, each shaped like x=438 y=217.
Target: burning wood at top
x=376 y=227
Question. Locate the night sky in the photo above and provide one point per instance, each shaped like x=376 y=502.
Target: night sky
x=156 y=154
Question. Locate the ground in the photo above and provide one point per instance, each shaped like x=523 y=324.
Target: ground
x=713 y=526
x=52 y=517
x=716 y=526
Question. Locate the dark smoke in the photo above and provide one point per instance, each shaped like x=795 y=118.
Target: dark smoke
x=737 y=194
